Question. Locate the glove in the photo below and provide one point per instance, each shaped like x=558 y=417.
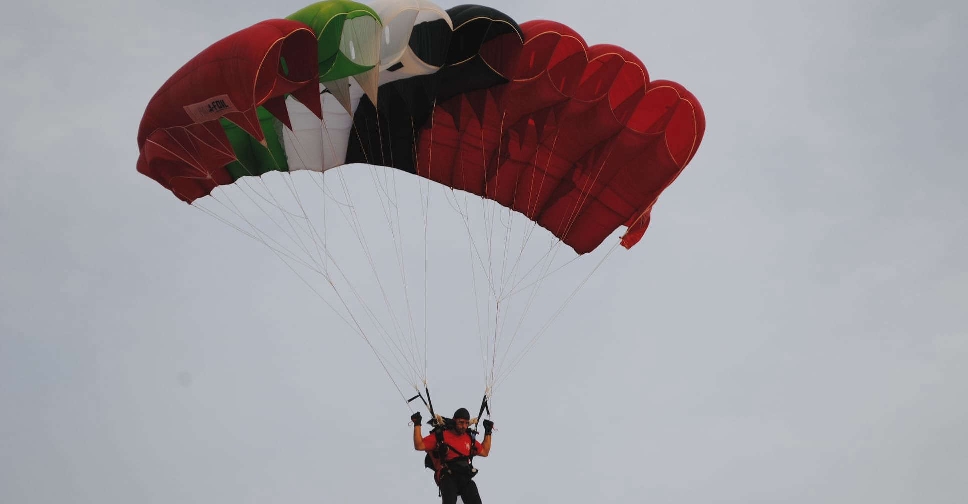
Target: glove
x=416 y=418
x=488 y=425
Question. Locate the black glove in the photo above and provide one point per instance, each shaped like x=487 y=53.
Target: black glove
x=488 y=425
x=416 y=418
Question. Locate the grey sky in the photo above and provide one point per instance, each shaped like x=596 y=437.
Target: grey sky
x=792 y=328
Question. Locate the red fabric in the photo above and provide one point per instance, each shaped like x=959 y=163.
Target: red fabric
x=580 y=140
x=460 y=444
x=187 y=153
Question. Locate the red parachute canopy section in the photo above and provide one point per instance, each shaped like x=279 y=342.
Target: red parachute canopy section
x=580 y=140
x=183 y=145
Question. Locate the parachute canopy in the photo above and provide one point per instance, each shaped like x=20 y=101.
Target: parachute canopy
x=575 y=137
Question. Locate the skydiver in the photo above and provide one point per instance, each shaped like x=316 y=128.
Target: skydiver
x=450 y=449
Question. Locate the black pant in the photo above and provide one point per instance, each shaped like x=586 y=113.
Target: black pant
x=451 y=486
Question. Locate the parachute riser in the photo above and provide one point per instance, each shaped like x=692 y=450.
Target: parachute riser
x=437 y=423
x=428 y=403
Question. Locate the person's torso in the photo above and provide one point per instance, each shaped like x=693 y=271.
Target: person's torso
x=459 y=444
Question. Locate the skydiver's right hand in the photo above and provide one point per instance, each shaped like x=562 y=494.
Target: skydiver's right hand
x=416 y=418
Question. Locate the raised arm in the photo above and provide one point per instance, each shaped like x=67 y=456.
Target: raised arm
x=418 y=443
x=486 y=444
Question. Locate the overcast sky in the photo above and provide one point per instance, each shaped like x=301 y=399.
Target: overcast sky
x=792 y=328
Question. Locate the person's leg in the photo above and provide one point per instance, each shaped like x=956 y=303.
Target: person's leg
x=469 y=493
x=448 y=490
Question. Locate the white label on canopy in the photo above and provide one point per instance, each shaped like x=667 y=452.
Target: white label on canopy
x=210 y=109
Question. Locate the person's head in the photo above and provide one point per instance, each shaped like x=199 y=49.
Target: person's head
x=462 y=420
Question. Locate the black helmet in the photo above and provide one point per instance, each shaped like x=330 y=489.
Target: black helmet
x=462 y=414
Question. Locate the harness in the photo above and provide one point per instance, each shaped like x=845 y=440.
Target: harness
x=461 y=465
